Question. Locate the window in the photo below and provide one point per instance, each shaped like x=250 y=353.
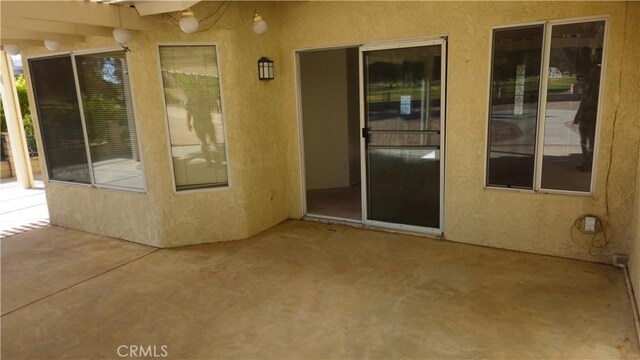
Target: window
x=543 y=110
x=59 y=117
x=86 y=119
x=194 y=115
x=515 y=87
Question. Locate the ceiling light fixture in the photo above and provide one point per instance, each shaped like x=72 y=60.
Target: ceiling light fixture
x=259 y=25
x=188 y=23
x=12 y=50
x=122 y=35
x=52 y=45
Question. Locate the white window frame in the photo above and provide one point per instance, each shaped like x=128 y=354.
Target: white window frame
x=166 y=119
x=542 y=105
x=72 y=55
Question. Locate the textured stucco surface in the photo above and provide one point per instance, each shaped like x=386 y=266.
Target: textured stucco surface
x=522 y=221
x=634 y=263
x=262 y=130
x=255 y=199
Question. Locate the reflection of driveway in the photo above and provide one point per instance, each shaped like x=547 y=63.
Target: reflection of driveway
x=119 y=172
x=516 y=134
x=190 y=167
x=504 y=130
x=559 y=138
x=180 y=134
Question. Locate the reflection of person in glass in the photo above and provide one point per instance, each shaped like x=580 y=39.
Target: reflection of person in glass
x=588 y=111
x=200 y=104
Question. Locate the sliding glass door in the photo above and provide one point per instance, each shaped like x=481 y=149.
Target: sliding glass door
x=402 y=96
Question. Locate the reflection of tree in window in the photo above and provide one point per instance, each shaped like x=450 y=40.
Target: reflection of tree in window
x=102 y=96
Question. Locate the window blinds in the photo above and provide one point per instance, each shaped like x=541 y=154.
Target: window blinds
x=90 y=138
x=108 y=115
x=56 y=103
x=194 y=114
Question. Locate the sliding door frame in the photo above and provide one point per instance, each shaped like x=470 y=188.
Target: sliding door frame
x=442 y=42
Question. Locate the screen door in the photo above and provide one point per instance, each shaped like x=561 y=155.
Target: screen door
x=402 y=98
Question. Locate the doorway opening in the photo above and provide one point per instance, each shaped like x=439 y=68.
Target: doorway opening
x=330 y=109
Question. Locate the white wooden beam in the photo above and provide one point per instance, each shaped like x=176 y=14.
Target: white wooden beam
x=56 y=27
x=39 y=35
x=21 y=42
x=160 y=7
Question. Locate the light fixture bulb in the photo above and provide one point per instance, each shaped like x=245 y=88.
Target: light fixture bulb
x=189 y=24
x=12 y=50
x=259 y=26
x=121 y=35
x=52 y=45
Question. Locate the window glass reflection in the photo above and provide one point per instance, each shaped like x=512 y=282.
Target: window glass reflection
x=109 y=119
x=403 y=117
x=194 y=112
x=403 y=89
x=515 y=80
x=60 y=120
x=575 y=65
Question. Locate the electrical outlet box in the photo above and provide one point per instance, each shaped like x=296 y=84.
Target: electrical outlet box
x=589 y=224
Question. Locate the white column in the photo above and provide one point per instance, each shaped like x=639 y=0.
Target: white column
x=11 y=106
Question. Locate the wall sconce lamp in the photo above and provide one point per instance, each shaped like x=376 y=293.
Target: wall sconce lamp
x=265 y=69
x=259 y=26
x=188 y=23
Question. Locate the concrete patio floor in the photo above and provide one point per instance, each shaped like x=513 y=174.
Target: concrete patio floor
x=306 y=290
x=21 y=209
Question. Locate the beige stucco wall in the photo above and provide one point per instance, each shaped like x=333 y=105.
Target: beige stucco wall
x=262 y=132
x=522 y=221
x=634 y=261
x=634 y=110
x=255 y=199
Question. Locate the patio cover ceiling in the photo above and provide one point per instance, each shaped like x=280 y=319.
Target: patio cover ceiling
x=31 y=22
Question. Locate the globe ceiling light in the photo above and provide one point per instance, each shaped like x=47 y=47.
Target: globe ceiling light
x=122 y=35
x=12 y=50
x=52 y=45
x=259 y=25
x=188 y=23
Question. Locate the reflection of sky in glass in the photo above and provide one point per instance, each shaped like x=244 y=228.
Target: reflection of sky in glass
x=429 y=155
x=109 y=71
x=16 y=62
